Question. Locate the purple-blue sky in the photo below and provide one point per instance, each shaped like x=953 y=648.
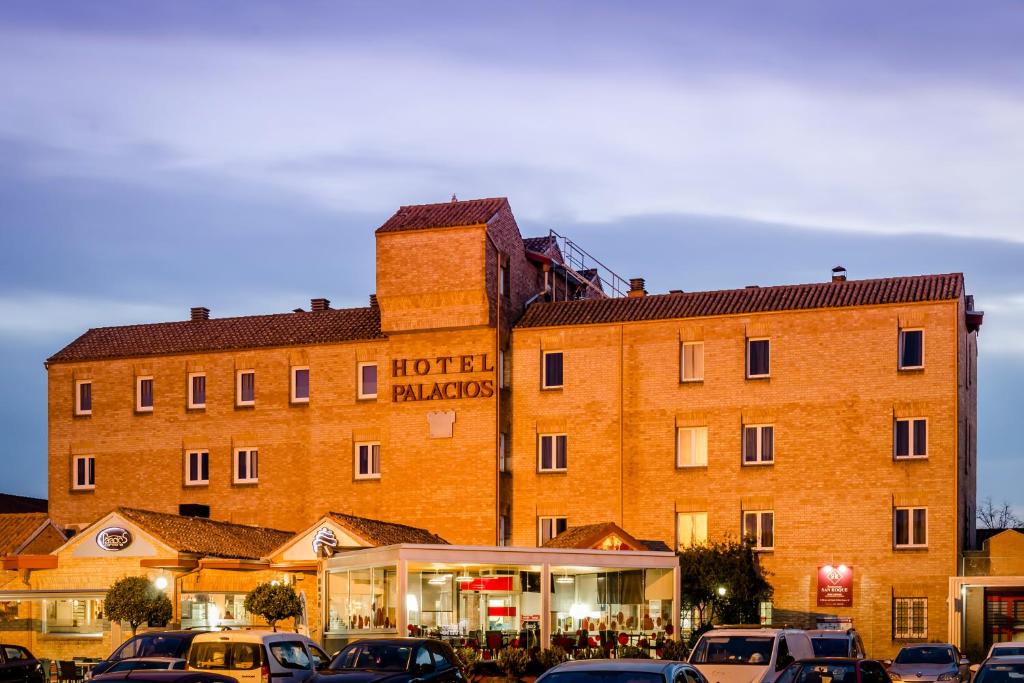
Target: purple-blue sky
x=161 y=155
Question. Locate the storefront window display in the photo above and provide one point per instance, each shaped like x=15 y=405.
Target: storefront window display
x=637 y=602
x=212 y=610
x=362 y=600
x=77 y=616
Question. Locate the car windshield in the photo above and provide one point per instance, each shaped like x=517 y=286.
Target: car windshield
x=831 y=647
x=828 y=673
x=925 y=655
x=1007 y=650
x=998 y=672
x=605 y=677
x=152 y=646
x=733 y=650
x=374 y=656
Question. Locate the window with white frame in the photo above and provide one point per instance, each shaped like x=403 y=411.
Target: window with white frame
x=909 y=618
x=367 y=378
x=911 y=349
x=196 y=390
x=144 y=394
x=758 y=444
x=367 y=460
x=83 y=472
x=910 y=527
x=300 y=384
x=691 y=447
x=197 y=468
x=502 y=452
x=551 y=452
x=759 y=528
x=758 y=358
x=247 y=466
x=245 y=388
x=691 y=529
x=553 y=376
x=83 y=397
x=691 y=361
x=910 y=439
x=764 y=611
x=549 y=527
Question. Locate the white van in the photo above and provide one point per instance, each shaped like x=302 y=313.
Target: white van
x=257 y=656
x=749 y=655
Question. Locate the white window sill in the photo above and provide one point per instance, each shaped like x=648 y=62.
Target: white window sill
x=910 y=547
x=300 y=401
x=246 y=482
x=367 y=477
x=909 y=457
x=759 y=463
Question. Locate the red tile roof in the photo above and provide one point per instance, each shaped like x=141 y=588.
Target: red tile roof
x=446 y=215
x=382 y=533
x=17 y=529
x=591 y=535
x=219 y=334
x=208 y=537
x=895 y=290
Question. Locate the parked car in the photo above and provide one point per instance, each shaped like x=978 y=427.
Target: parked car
x=148 y=644
x=257 y=656
x=394 y=660
x=1006 y=649
x=1009 y=669
x=17 y=665
x=147 y=663
x=622 y=671
x=749 y=655
x=835 y=670
x=152 y=676
x=929 y=662
x=834 y=643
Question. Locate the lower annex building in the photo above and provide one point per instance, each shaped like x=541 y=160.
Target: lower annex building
x=501 y=390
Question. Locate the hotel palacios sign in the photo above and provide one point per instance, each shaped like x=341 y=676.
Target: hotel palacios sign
x=835 y=586
x=416 y=379
x=114 y=538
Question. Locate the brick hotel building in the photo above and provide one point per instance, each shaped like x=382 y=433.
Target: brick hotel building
x=501 y=391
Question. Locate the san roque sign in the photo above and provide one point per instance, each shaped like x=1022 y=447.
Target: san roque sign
x=114 y=538
x=835 y=586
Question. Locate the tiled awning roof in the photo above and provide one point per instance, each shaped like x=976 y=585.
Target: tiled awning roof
x=19 y=527
x=445 y=215
x=895 y=290
x=589 y=536
x=382 y=533
x=208 y=537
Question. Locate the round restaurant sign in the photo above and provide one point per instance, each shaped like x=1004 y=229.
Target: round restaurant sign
x=114 y=538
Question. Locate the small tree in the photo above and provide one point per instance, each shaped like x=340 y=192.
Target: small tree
x=723 y=581
x=992 y=516
x=273 y=602
x=136 y=600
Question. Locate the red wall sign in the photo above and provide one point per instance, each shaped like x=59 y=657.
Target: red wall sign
x=501 y=611
x=488 y=583
x=835 y=586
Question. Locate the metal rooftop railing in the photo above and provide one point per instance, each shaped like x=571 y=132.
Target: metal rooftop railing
x=599 y=279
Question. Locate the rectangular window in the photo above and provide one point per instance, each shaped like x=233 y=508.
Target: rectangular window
x=83 y=397
x=549 y=527
x=247 y=466
x=504 y=282
x=692 y=447
x=83 y=472
x=501 y=369
x=758 y=358
x=691 y=529
x=144 y=394
x=909 y=618
x=504 y=531
x=758 y=444
x=502 y=452
x=692 y=362
x=196 y=390
x=910 y=527
x=197 y=468
x=246 y=388
x=300 y=385
x=911 y=438
x=551 y=452
x=553 y=378
x=368 y=460
x=759 y=528
x=764 y=609
x=911 y=349
x=367 y=380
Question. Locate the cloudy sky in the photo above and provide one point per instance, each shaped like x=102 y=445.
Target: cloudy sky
x=237 y=154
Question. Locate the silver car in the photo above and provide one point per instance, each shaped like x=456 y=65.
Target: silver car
x=928 y=663
x=622 y=671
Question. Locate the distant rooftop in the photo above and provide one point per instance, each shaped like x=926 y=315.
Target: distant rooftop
x=11 y=503
x=444 y=215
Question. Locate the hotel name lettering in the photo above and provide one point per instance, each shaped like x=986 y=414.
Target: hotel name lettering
x=415 y=379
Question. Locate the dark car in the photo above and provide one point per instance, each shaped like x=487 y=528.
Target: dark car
x=146 y=676
x=149 y=644
x=393 y=660
x=17 y=665
x=834 y=670
x=623 y=671
x=1001 y=670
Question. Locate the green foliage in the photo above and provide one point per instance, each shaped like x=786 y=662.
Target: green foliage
x=136 y=600
x=468 y=660
x=590 y=653
x=675 y=650
x=633 y=652
x=513 y=662
x=551 y=657
x=728 y=564
x=273 y=602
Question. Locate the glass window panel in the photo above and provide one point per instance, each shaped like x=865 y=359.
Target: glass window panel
x=693 y=361
x=368 y=377
x=553 y=369
x=146 y=393
x=902 y=438
x=920 y=526
x=902 y=527
x=750 y=444
x=758 y=357
x=545 y=452
x=750 y=525
x=912 y=348
x=767 y=444
x=767 y=530
x=920 y=437
x=302 y=383
x=199 y=390
x=560 y=455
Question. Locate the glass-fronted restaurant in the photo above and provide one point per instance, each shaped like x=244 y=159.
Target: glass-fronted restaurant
x=479 y=594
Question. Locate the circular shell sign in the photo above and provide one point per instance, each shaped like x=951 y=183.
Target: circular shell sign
x=114 y=538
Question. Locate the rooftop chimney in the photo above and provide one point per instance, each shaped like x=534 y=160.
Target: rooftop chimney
x=373 y=301
x=839 y=274
x=636 y=287
x=200 y=313
x=319 y=305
